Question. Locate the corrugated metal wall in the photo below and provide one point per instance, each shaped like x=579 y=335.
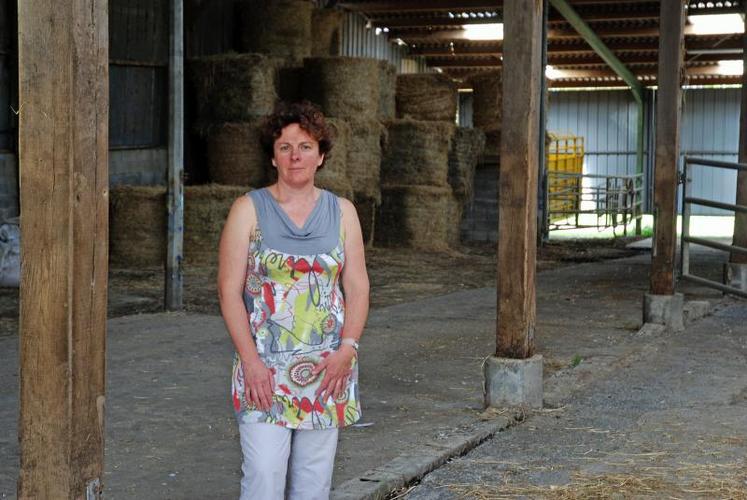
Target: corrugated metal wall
x=607 y=121
x=360 y=41
x=710 y=129
x=138 y=90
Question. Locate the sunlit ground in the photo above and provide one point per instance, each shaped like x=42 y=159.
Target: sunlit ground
x=700 y=225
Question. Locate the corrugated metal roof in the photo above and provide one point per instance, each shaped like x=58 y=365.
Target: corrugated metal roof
x=434 y=30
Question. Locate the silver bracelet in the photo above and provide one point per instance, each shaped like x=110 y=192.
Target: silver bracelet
x=351 y=342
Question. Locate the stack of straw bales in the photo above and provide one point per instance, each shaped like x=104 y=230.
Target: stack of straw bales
x=487 y=107
x=138 y=224
x=415 y=189
x=466 y=149
x=233 y=87
x=417 y=199
x=348 y=89
x=233 y=93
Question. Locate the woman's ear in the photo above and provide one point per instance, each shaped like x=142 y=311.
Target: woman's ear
x=273 y=162
x=321 y=160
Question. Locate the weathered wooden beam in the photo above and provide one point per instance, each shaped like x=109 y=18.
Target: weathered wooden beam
x=174 y=295
x=695 y=47
x=63 y=55
x=740 y=219
x=668 y=110
x=517 y=228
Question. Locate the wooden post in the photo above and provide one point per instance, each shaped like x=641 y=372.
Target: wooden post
x=63 y=57
x=174 y=253
x=671 y=50
x=517 y=227
x=740 y=219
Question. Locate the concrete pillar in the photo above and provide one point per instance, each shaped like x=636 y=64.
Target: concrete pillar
x=666 y=310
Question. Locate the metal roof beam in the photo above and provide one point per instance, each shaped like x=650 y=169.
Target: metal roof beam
x=420 y=6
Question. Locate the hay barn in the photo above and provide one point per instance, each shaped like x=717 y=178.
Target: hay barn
x=499 y=155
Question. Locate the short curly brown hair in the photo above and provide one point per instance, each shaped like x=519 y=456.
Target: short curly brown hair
x=307 y=115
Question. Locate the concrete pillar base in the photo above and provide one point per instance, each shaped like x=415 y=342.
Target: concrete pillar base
x=664 y=310
x=735 y=275
x=513 y=382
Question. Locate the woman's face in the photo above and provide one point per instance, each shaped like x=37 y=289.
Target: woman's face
x=296 y=156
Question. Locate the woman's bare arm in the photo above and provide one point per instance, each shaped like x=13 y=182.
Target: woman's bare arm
x=232 y=262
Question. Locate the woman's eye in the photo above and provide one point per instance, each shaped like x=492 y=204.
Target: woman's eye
x=284 y=148
x=305 y=147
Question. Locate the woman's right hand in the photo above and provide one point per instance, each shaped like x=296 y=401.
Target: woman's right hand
x=259 y=384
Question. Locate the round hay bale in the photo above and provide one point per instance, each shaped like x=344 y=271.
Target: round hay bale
x=387 y=91
x=487 y=99
x=344 y=87
x=366 y=208
x=340 y=187
x=334 y=175
x=413 y=216
x=233 y=87
x=276 y=27
x=326 y=29
x=467 y=146
x=137 y=226
x=205 y=210
x=417 y=153
x=426 y=96
x=235 y=155
x=364 y=156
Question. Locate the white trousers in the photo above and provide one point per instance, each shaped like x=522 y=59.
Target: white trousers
x=282 y=463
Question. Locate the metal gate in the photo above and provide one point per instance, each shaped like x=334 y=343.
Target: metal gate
x=602 y=201
x=687 y=201
x=577 y=200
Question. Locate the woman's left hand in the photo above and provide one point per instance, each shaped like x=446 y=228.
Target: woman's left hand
x=338 y=366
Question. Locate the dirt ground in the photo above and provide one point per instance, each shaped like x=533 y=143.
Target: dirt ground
x=397 y=276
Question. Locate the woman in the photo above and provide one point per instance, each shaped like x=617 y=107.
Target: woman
x=284 y=251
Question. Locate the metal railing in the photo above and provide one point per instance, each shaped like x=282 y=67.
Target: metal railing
x=616 y=200
x=687 y=201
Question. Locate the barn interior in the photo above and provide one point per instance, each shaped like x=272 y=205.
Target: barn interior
x=482 y=143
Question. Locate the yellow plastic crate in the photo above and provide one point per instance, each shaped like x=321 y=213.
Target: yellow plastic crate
x=565 y=155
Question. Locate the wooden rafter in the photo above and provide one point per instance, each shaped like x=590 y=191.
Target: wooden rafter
x=630 y=28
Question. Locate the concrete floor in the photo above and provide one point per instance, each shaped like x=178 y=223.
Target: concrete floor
x=170 y=429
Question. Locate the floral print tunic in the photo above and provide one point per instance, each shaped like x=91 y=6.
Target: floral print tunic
x=296 y=316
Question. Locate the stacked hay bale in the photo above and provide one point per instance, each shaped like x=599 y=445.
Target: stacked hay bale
x=347 y=88
x=415 y=168
x=334 y=175
x=487 y=106
x=233 y=92
x=279 y=28
x=235 y=156
x=426 y=96
x=138 y=224
x=415 y=188
x=387 y=91
x=326 y=32
x=466 y=149
x=205 y=210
